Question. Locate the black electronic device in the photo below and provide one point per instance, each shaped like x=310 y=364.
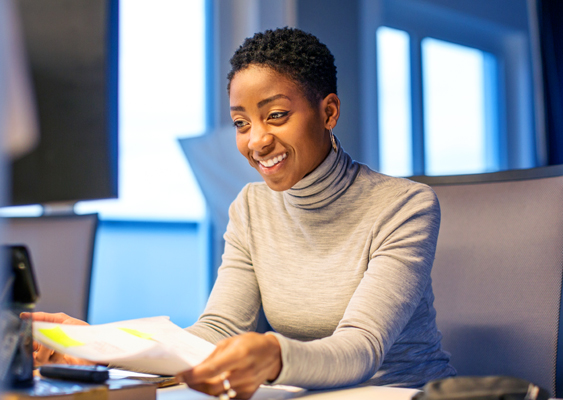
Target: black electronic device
x=72 y=50
x=24 y=291
x=19 y=294
x=80 y=373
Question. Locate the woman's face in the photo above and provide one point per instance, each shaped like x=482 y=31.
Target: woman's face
x=278 y=130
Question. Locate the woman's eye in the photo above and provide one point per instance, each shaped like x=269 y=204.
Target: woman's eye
x=239 y=123
x=278 y=115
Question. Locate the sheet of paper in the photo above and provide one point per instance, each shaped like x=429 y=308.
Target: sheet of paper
x=154 y=345
x=277 y=392
x=360 y=393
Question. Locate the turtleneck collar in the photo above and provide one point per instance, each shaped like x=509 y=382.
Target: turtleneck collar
x=326 y=183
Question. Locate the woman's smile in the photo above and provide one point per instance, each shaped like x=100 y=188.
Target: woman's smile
x=271 y=165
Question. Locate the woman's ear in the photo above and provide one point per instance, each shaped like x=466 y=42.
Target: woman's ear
x=331 y=110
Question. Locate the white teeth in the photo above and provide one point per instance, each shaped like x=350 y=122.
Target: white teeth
x=273 y=161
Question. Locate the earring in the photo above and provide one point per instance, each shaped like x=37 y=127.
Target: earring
x=332 y=140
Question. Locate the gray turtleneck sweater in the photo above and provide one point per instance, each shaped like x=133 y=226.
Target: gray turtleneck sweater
x=341 y=264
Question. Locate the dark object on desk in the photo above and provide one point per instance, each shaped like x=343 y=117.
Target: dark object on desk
x=481 y=388
x=113 y=389
x=19 y=295
x=79 y=373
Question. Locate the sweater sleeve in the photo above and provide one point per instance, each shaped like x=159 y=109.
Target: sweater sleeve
x=401 y=254
x=234 y=302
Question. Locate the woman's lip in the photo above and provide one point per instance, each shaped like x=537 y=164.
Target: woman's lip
x=273 y=169
x=284 y=155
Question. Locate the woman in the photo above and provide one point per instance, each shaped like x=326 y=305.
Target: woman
x=338 y=255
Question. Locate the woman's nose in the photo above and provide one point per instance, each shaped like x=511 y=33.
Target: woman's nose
x=260 y=138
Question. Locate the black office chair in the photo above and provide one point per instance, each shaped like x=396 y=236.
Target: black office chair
x=497 y=275
x=62 y=250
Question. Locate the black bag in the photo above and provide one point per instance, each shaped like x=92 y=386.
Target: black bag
x=481 y=388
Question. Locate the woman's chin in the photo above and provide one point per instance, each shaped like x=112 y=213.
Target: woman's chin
x=278 y=185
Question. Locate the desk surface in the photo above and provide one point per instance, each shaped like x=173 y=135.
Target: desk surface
x=272 y=393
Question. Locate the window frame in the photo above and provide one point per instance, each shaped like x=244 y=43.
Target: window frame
x=515 y=143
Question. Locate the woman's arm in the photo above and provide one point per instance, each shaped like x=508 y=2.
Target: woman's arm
x=247 y=359
x=234 y=302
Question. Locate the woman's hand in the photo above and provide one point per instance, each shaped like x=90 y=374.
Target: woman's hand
x=247 y=361
x=43 y=355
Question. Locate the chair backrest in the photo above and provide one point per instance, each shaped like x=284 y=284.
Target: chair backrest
x=61 y=250
x=497 y=274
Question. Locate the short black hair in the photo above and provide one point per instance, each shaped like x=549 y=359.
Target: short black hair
x=291 y=52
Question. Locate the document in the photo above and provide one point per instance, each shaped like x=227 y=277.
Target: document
x=152 y=345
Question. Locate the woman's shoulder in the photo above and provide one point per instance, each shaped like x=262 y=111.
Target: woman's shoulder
x=391 y=198
x=394 y=186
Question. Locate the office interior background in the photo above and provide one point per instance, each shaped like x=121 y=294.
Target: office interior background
x=428 y=87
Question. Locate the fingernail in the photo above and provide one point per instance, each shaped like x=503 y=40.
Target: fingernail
x=180 y=379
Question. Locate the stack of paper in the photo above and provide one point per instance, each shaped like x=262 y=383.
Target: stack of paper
x=154 y=345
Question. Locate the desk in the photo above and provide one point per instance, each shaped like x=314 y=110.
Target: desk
x=271 y=393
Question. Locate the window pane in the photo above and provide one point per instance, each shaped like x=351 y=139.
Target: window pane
x=455 y=125
x=161 y=98
x=394 y=102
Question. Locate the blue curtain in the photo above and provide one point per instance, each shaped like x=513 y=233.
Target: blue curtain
x=550 y=16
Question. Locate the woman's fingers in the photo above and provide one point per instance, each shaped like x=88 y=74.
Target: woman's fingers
x=75 y=361
x=58 y=318
x=224 y=358
x=46 y=317
x=240 y=389
x=47 y=356
x=57 y=358
x=245 y=383
x=214 y=387
x=43 y=355
x=238 y=365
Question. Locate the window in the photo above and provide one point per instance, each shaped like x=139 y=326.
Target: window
x=491 y=122
x=459 y=135
x=456 y=131
x=394 y=102
x=161 y=98
x=151 y=248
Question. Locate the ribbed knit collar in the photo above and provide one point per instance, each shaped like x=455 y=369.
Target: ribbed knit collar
x=326 y=183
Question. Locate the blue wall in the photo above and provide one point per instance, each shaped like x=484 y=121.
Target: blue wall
x=144 y=269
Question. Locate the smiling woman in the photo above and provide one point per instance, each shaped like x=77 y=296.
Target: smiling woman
x=339 y=256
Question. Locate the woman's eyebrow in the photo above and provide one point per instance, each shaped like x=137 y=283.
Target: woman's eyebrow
x=262 y=103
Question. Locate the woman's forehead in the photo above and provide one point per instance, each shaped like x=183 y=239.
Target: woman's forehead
x=261 y=81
